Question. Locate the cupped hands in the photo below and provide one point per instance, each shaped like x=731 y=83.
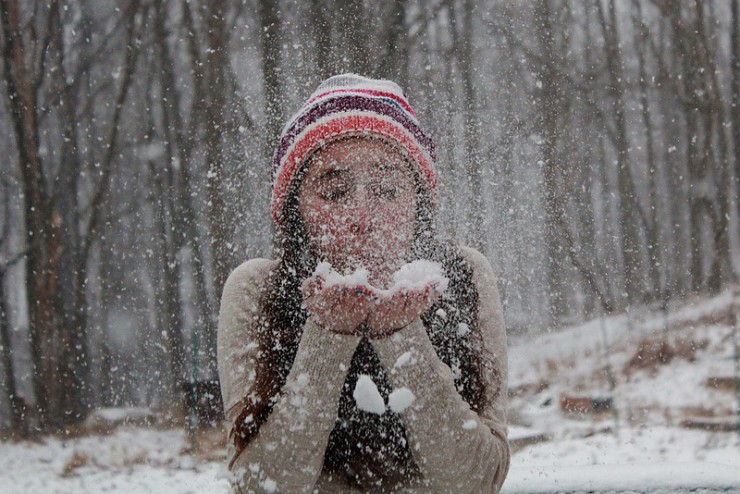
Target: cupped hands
x=351 y=306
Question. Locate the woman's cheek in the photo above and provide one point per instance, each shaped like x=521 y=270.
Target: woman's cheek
x=328 y=230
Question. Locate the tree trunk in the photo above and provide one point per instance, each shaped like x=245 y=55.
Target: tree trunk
x=219 y=220
x=718 y=150
x=628 y=206
x=699 y=96
x=735 y=103
x=549 y=101
x=395 y=62
x=353 y=27
x=171 y=208
x=654 y=240
x=167 y=291
x=462 y=40
x=270 y=23
x=74 y=361
x=188 y=219
x=21 y=83
x=17 y=406
x=322 y=35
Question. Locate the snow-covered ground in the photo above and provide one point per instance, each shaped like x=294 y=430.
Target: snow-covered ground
x=129 y=460
x=642 y=447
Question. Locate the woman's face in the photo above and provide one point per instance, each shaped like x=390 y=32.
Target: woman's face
x=358 y=203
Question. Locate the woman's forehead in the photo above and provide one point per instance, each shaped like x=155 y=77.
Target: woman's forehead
x=357 y=153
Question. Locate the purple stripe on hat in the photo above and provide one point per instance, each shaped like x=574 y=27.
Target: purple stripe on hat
x=346 y=103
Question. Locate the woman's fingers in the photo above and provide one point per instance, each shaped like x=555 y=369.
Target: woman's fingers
x=311 y=286
x=338 y=308
x=398 y=311
x=343 y=309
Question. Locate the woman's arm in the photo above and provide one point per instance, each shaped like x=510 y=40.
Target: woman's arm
x=287 y=453
x=457 y=450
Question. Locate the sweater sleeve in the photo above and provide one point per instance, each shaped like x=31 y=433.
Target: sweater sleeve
x=457 y=449
x=287 y=453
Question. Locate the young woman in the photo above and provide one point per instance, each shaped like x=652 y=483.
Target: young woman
x=339 y=373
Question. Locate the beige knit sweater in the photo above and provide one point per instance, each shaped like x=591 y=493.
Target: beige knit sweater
x=457 y=450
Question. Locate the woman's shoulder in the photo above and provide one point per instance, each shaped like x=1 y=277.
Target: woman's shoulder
x=250 y=273
x=477 y=261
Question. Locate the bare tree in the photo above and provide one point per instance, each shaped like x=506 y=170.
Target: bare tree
x=269 y=18
x=654 y=244
x=23 y=58
x=629 y=208
x=462 y=38
x=707 y=162
x=735 y=91
x=17 y=405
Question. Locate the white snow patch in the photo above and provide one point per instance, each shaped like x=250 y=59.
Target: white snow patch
x=469 y=425
x=641 y=452
x=417 y=275
x=367 y=396
x=414 y=276
x=403 y=359
x=330 y=277
x=650 y=476
x=400 y=399
x=463 y=329
x=269 y=485
x=116 y=414
x=302 y=379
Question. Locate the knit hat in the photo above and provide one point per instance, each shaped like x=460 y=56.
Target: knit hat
x=350 y=105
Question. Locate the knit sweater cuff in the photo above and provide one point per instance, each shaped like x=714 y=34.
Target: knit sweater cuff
x=411 y=361
x=323 y=353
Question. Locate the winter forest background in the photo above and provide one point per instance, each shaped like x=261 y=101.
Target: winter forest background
x=590 y=149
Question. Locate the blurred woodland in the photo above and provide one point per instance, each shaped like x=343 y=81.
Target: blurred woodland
x=589 y=148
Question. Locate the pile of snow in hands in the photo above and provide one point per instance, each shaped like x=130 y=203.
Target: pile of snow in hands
x=415 y=276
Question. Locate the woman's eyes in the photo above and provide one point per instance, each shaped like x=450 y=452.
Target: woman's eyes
x=334 y=193
x=384 y=191
x=338 y=191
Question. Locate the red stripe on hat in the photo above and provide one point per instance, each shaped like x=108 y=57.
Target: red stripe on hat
x=372 y=92
x=337 y=127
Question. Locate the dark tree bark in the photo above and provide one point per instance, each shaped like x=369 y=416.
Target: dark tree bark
x=22 y=80
x=721 y=266
x=17 y=412
x=185 y=145
x=735 y=98
x=353 y=28
x=462 y=39
x=707 y=155
x=395 y=62
x=18 y=425
x=272 y=83
x=322 y=34
x=215 y=79
x=178 y=216
x=550 y=103
x=628 y=202
x=654 y=240
x=74 y=360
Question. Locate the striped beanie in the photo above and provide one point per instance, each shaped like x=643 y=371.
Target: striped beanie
x=350 y=105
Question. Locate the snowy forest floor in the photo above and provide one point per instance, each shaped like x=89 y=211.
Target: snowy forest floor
x=564 y=437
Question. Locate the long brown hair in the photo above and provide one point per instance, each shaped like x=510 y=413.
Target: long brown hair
x=365 y=448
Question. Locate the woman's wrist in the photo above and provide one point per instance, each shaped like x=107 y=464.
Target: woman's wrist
x=404 y=346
